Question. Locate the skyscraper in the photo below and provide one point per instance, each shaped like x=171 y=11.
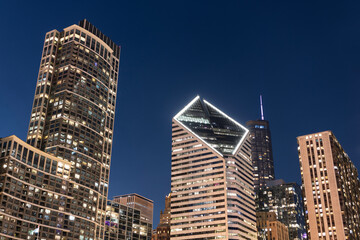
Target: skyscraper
x=261 y=150
x=331 y=188
x=62 y=175
x=212 y=194
x=286 y=201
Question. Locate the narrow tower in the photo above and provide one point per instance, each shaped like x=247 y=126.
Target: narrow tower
x=212 y=193
x=261 y=149
x=261 y=108
x=162 y=232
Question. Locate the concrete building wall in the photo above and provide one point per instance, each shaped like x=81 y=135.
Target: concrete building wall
x=269 y=228
x=198 y=203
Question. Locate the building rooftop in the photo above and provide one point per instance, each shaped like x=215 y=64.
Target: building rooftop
x=91 y=28
x=212 y=126
x=133 y=195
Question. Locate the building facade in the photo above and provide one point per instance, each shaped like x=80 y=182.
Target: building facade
x=162 y=231
x=166 y=214
x=212 y=189
x=34 y=193
x=127 y=221
x=261 y=150
x=72 y=119
x=331 y=188
x=286 y=201
x=269 y=228
x=146 y=208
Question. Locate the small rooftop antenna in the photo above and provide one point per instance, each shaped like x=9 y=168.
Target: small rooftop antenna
x=261 y=108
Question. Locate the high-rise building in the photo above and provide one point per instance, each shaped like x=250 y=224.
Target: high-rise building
x=212 y=189
x=34 y=195
x=128 y=218
x=162 y=232
x=146 y=208
x=261 y=150
x=60 y=182
x=269 y=228
x=286 y=201
x=331 y=188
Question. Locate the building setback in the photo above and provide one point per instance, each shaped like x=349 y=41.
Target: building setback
x=72 y=121
x=162 y=232
x=261 y=150
x=286 y=201
x=331 y=188
x=212 y=189
x=165 y=215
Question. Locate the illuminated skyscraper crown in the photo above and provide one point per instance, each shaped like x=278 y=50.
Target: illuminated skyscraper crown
x=212 y=126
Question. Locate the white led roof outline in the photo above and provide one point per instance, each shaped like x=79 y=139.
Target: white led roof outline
x=246 y=130
x=206 y=102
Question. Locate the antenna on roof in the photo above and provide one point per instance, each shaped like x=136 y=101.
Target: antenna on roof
x=261 y=108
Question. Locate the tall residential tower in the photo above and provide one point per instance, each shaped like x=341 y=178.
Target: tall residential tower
x=57 y=182
x=261 y=150
x=331 y=188
x=212 y=189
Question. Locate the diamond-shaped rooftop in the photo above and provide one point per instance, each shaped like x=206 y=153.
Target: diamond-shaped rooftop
x=214 y=127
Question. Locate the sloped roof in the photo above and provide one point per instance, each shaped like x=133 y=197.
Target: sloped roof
x=212 y=126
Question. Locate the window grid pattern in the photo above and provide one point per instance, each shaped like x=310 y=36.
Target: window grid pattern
x=331 y=188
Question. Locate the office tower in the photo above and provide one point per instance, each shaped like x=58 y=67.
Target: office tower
x=285 y=200
x=331 y=188
x=126 y=219
x=62 y=175
x=261 y=150
x=162 y=232
x=212 y=194
x=146 y=208
x=269 y=228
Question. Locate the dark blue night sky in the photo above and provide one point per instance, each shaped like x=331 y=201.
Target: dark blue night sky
x=303 y=56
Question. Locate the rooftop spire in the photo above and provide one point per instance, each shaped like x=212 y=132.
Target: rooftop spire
x=261 y=108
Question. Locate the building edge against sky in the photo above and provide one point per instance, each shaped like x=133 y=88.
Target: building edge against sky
x=261 y=149
x=212 y=193
x=129 y=216
x=162 y=231
x=58 y=180
x=72 y=119
x=331 y=188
